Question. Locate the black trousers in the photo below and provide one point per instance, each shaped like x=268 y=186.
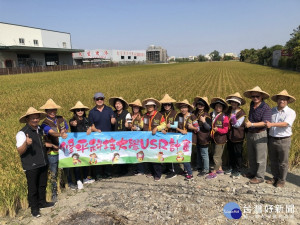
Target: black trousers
x=155 y=169
x=37 y=183
x=235 y=150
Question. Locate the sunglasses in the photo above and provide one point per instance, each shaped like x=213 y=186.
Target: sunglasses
x=79 y=110
x=255 y=96
x=99 y=99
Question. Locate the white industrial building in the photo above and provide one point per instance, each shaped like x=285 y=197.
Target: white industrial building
x=29 y=46
x=105 y=55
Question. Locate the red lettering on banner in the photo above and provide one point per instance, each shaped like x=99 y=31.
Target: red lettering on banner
x=134 y=144
x=106 y=142
x=99 y=144
x=121 y=144
x=142 y=143
x=173 y=145
x=162 y=144
x=112 y=145
x=153 y=142
x=186 y=144
x=82 y=145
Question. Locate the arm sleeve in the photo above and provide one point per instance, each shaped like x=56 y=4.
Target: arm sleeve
x=21 y=138
x=66 y=125
x=224 y=130
x=91 y=120
x=207 y=124
x=290 y=118
x=162 y=125
x=239 y=122
x=46 y=128
x=175 y=125
x=111 y=113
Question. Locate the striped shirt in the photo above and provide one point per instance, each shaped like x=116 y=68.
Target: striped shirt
x=261 y=114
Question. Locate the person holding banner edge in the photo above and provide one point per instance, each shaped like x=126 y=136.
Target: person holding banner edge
x=187 y=122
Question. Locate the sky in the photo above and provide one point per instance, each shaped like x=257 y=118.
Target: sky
x=183 y=27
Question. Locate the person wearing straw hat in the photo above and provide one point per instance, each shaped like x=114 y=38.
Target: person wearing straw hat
x=136 y=115
x=220 y=124
x=203 y=135
x=257 y=139
x=123 y=123
x=153 y=121
x=122 y=116
x=102 y=118
x=34 y=159
x=280 y=133
x=54 y=126
x=236 y=133
x=187 y=122
x=169 y=112
x=80 y=123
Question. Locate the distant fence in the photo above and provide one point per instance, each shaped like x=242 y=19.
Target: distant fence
x=39 y=69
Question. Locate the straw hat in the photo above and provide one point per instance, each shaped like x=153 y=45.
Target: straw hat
x=167 y=99
x=184 y=102
x=236 y=97
x=151 y=101
x=286 y=94
x=50 y=104
x=219 y=100
x=247 y=93
x=203 y=99
x=79 y=105
x=31 y=111
x=136 y=103
x=112 y=101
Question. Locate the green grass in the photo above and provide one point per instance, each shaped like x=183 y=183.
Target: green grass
x=180 y=81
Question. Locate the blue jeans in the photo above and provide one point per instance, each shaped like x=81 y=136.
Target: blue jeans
x=202 y=158
x=53 y=167
x=188 y=168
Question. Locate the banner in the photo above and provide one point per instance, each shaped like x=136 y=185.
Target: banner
x=80 y=149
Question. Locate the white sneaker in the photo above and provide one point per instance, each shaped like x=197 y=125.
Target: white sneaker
x=88 y=181
x=79 y=185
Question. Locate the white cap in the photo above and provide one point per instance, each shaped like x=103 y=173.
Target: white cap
x=150 y=103
x=234 y=100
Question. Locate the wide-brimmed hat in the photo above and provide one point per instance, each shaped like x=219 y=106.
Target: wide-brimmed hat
x=202 y=99
x=112 y=101
x=137 y=103
x=79 y=105
x=184 y=102
x=247 y=93
x=167 y=99
x=219 y=100
x=50 y=104
x=236 y=97
x=284 y=93
x=151 y=101
x=32 y=111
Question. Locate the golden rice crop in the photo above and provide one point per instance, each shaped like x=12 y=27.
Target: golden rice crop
x=19 y=92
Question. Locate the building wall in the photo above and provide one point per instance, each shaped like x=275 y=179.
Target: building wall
x=65 y=59
x=11 y=33
x=128 y=55
x=52 y=39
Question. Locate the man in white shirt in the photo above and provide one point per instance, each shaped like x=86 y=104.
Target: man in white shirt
x=280 y=133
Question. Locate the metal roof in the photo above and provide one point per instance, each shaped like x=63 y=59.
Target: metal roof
x=38 y=49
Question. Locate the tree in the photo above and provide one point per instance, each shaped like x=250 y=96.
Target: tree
x=215 y=55
x=228 y=57
x=201 y=58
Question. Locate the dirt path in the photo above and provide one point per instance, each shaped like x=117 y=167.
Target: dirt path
x=140 y=200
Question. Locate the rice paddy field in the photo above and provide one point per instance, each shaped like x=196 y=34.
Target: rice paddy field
x=180 y=81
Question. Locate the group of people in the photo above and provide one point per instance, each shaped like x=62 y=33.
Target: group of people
x=227 y=123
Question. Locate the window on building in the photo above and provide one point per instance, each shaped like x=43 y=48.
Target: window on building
x=134 y=57
x=129 y=57
x=21 y=41
x=36 y=42
x=122 y=57
x=64 y=45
